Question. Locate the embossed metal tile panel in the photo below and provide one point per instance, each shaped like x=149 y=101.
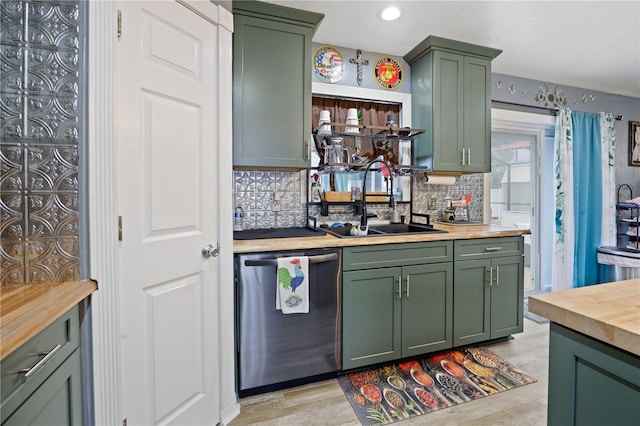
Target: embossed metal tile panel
x=40 y=61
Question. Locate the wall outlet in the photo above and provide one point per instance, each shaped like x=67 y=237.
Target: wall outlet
x=431 y=203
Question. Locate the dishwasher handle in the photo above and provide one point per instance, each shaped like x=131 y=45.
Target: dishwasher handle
x=274 y=262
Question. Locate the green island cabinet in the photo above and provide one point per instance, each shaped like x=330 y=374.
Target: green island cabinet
x=451 y=99
x=272 y=70
x=41 y=379
x=488 y=289
x=591 y=382
x=397 y=301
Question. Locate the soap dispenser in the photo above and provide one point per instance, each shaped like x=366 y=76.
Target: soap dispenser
x=395 y=214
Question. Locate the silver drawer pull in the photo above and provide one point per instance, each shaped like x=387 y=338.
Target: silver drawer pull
x=27 y=372
x=492 y=248
x=406 y=290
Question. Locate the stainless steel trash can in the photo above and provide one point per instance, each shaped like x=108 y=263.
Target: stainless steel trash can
x=617 y=264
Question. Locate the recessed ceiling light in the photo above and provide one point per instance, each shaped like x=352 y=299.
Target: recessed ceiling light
x=390 y=13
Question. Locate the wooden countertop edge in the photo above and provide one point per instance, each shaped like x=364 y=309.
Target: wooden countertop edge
x=459 y=232
x=26 y=310
x=617 y=326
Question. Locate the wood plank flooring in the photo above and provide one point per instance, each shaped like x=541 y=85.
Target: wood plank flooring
x=324 y=403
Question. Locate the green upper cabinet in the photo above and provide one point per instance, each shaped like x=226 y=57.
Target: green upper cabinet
x=451 y=100
x=272 y=60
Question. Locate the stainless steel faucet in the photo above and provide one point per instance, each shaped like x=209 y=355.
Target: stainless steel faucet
x=363 y=219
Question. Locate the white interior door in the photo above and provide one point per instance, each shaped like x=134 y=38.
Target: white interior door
x=167 y=192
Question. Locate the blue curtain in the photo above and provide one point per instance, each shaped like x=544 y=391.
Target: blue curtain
x=587 y=193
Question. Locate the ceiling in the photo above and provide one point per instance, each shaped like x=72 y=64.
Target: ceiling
x=587 y=44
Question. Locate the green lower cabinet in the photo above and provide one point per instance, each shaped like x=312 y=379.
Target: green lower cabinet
x=472 y=302
x=57 y=401
x=371 y=317
x=392 y=313
x=591 y=383
x=427 y=308
x=488 y=299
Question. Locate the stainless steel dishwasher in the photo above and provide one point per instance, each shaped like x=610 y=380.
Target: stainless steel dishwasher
x=275 y=350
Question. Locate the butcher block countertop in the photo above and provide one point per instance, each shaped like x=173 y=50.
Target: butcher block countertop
x=455 y=232
x=26 y=310
x=607 y=312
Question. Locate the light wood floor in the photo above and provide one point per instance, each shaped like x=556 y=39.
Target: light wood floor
x=324 y=403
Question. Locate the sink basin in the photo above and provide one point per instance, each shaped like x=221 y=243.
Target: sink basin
x=380 y=230
x=405 y=228
x=345 y=232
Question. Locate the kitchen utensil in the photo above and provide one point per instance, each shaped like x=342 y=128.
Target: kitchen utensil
x=448 y=216
x=459 y=373
x=396 y=401
x=373 y=394
x=352 y=121
x=426 y=380
x=449 y=383
x=325 y=118
x=336 y=154
x=398 y=383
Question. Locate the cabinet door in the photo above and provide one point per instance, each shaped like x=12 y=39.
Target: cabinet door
x=448 y=111
x=371 y=317
x=507 y=296
x=57 y=401
x=271 y=125
x=427 y=308
x=471 y=301
x=586 y=375
x=477 y=114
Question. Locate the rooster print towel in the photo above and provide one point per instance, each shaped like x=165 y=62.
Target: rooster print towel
x=292 y=288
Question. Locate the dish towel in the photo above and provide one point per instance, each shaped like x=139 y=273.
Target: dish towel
x=292 y=286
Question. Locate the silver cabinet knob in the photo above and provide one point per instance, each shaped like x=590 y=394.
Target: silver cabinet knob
x=210 y=251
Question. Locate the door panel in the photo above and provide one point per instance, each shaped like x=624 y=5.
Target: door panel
x=426 y=308
x=448 y=109
x=471 y=299
x=167 y=194
x=477 y=114
x=507 y=296
x=371 y=324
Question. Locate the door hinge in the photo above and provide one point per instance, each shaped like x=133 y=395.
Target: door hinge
x=119 y=24
x=119 y=228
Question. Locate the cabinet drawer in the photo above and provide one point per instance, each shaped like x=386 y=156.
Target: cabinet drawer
x=388 y=255
x=24 y=370
x=488 y=247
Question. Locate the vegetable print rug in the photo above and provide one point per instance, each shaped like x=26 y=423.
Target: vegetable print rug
x=398 y=391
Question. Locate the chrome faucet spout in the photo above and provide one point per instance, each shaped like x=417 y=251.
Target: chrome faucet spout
x=363 y=219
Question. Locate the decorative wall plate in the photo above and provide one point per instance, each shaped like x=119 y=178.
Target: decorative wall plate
x=388 y=73
x=328 y=64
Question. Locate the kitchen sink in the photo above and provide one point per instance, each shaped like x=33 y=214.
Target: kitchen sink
x=345 y=232
x=381 y=230
x=405 y=228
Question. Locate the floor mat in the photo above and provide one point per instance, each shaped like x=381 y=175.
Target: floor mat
x=398 y=391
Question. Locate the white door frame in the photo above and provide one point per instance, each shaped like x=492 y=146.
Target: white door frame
x=535 y=124
x=103 y=213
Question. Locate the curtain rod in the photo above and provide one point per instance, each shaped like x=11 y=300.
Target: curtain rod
x=522 y=107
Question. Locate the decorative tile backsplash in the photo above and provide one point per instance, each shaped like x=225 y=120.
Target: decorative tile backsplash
x=254 y=192
x=39 y=140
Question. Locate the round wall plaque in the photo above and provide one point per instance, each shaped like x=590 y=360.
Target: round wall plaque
x=328 y=64
x=388 y=73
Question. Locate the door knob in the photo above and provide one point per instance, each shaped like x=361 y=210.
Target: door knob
x=210 y=251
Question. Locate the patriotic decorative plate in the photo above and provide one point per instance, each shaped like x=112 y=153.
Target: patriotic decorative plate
x=328 y=64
